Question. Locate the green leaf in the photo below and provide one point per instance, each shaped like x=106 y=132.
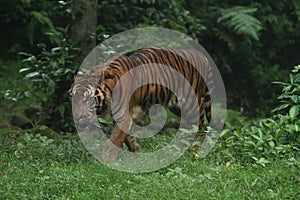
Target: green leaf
x=281 y=107
x=271 y=144
x=61 y=110
x=42 y=18
x=50 y=83
x=25 y=54
x=42 y=45
x=224 y=133
x=24 y=69
x=240 y=20
x=32 y=74
x=294 y=111
x=294 y=98
x=296 y=128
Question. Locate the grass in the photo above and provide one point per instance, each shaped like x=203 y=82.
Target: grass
x=37 y=167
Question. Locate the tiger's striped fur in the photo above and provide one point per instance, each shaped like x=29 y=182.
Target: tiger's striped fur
x=103 y=79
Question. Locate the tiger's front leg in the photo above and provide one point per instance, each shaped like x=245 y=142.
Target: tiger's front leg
x=132 y=144
x=114 y=144
x=118 y=136
x=116 y=140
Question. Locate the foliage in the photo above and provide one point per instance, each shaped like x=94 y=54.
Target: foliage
x=51 y=72
x=15 y=92
x=290 y=97
x=48 y=67
x=249 y=65
x=265 y=139
x=118 y=16
x=26 y=22
x=239 y=20
x=288 y=109
x=38 y=144
x=107 y=124
x=258 y=142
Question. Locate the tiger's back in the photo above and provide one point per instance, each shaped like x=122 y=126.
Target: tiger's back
x=174 y=64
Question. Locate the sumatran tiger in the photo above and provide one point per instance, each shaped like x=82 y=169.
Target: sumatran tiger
x=95 y=88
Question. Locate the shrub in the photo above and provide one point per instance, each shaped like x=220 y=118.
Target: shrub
x=260 y=140
x=288 y=109
x=51 y=72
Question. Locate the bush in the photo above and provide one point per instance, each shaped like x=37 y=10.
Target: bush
x=51 y=72
x=288 y=109
x=261 y=140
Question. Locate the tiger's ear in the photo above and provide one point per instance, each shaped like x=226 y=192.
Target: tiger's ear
x=78 y=72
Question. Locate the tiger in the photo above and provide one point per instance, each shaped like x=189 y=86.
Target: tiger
x=97 y=84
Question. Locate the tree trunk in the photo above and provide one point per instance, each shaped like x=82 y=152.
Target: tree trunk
x=83 y=29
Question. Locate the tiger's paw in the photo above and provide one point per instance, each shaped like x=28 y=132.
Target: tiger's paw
x=132 y=144
x=134 y=147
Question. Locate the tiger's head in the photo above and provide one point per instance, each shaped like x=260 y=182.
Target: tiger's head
x=89 y=95
x=91 y=92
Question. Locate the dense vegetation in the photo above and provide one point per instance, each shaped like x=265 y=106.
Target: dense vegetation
x=256 y=48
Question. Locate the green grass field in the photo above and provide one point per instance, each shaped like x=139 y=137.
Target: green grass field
x=37 y=167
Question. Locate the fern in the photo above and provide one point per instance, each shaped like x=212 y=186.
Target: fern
x=240 y=20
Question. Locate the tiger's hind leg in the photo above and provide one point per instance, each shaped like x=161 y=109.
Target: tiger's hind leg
x=202 y=126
